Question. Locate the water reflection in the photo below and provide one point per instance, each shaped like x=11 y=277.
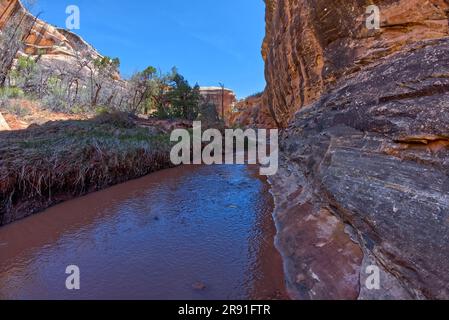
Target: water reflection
x=185 y=233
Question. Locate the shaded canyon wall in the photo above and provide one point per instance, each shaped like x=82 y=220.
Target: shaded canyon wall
x=364 y=173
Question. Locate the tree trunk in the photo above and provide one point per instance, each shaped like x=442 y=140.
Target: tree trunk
x=97 y=93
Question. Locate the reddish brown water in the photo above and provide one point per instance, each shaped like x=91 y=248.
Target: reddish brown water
x=184 y=233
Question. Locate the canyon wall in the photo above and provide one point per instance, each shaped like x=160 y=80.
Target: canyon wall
x=252 y=112
x=220 y=98
x=59 y=48
x=364 y=172
x=309 y=45
x=247 y=111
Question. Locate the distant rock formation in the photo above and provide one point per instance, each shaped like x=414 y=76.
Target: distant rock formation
x=364 y=171
x=44 y=37
x=251 y=112
x=220 y=98
x=308 y=46
x=58 y=48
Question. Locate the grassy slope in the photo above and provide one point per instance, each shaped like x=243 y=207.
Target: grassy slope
x=44 y=165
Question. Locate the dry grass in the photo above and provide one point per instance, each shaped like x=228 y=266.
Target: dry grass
x=22 y=112
x=44 y=165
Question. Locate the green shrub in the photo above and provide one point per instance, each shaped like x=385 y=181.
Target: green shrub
x=25 y=71
x=56 y=98
x=11 y=92
x=77 y=109
x=100 y=110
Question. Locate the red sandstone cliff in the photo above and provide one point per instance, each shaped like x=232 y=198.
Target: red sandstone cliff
x=251 y=112
x=363 y=176
x=220 y=98
x=311 y=44
x=43 y=37
x=59 y=48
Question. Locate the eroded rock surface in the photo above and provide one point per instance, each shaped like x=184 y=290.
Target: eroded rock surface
x=364 y=177
x=373 y=151
x=58 y=47
x=251 y=112
x=311 y=44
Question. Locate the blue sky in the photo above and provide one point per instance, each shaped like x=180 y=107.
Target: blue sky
x=208 y=41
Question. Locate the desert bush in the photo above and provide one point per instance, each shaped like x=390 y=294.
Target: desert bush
x=93 y=86
x=56 y=98
x=14 y=107
x=177 y=99
x=11 y=93
x=78 y=109
x=24 y=73
x=100 y=110
x=104 y=69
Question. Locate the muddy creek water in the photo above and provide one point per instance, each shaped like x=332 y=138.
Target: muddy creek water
x=202 y=232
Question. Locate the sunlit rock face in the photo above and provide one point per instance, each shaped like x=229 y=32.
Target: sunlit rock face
x=309 y=45
x=43 y=38
x=3 y=124
x=221 y=99
x=251 y=112
x=59 y=48
x=364 y=170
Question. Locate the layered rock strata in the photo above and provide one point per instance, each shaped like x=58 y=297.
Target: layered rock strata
x=58 y=48
x=364 y=175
